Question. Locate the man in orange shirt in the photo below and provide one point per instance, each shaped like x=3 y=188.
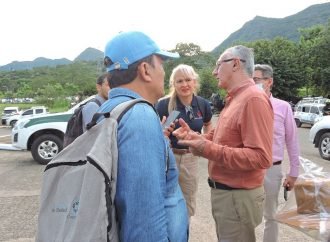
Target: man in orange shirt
x=239 y=149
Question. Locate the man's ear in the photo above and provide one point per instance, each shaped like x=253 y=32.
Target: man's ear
x=144 y=71
x=270 y=82
x=236 y=65
x=98 y=87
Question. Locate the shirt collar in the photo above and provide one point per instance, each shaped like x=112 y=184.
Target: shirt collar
x=100 y=98
x=193 y=102
x=120 y=91
x=233 y=92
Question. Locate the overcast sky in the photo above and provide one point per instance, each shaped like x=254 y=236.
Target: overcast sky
x=64 y=28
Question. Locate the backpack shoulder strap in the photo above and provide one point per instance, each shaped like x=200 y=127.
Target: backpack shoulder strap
x=118 y=111
x=95 y=100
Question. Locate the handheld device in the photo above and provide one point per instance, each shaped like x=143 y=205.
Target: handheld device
x=171 y=118
x=285 y=193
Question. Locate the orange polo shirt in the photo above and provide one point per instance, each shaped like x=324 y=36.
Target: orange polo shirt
x=239 y=149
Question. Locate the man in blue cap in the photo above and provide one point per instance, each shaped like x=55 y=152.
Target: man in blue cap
x=149 y=201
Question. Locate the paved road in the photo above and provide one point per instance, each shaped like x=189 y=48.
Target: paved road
x=4 y=131
x=20 y=179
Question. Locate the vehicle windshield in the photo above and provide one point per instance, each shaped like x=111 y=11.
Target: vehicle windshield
x=9 y=111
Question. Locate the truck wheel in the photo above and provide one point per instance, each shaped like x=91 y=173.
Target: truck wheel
x=45 y=147
x=324 y=146
x=298 y=123
x=12 y=123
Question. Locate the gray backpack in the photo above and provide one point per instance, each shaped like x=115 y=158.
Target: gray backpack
x=79 y=186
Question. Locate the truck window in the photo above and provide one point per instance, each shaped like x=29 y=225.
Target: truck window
x=306 y=109
x=314 y=110
x=28 y=112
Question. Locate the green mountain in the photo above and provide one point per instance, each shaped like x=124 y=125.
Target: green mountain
x=40 y=61
x=90 y=54
x=269 y=28
x=258 y=28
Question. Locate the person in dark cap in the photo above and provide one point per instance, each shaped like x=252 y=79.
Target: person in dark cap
x=149 y=201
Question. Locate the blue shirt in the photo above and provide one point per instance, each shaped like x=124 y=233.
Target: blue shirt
x=201 y=114
x=90 y=109
x=149 y=201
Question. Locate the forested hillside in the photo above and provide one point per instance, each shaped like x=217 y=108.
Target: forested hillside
x=300 y=68
x=270 y=28
x=90 y=54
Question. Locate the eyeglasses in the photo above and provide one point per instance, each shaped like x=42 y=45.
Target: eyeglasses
x=181 y=81
x=259 y=79
x=218 y=64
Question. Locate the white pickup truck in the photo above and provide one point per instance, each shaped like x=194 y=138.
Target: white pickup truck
x=42 y=135
x=9 y=111
x=34 y=111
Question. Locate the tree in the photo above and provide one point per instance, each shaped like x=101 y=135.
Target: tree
x=208 y=83
x=282 y=55
x=321 y=63
x=308 y=40
x=25 y=90
x=203 y=63
x=298 y=67
x=188 y=49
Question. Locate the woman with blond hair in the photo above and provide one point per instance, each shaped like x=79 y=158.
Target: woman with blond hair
x=196 y=111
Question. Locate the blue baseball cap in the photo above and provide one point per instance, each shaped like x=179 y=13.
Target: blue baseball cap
x=128 y=47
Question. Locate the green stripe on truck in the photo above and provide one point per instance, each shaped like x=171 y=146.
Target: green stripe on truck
x=49 y=119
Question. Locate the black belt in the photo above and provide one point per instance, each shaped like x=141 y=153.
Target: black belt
x=218 y=185
x=277 y=163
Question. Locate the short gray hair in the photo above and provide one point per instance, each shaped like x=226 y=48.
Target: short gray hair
x=266 y=70
x=246 y=54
